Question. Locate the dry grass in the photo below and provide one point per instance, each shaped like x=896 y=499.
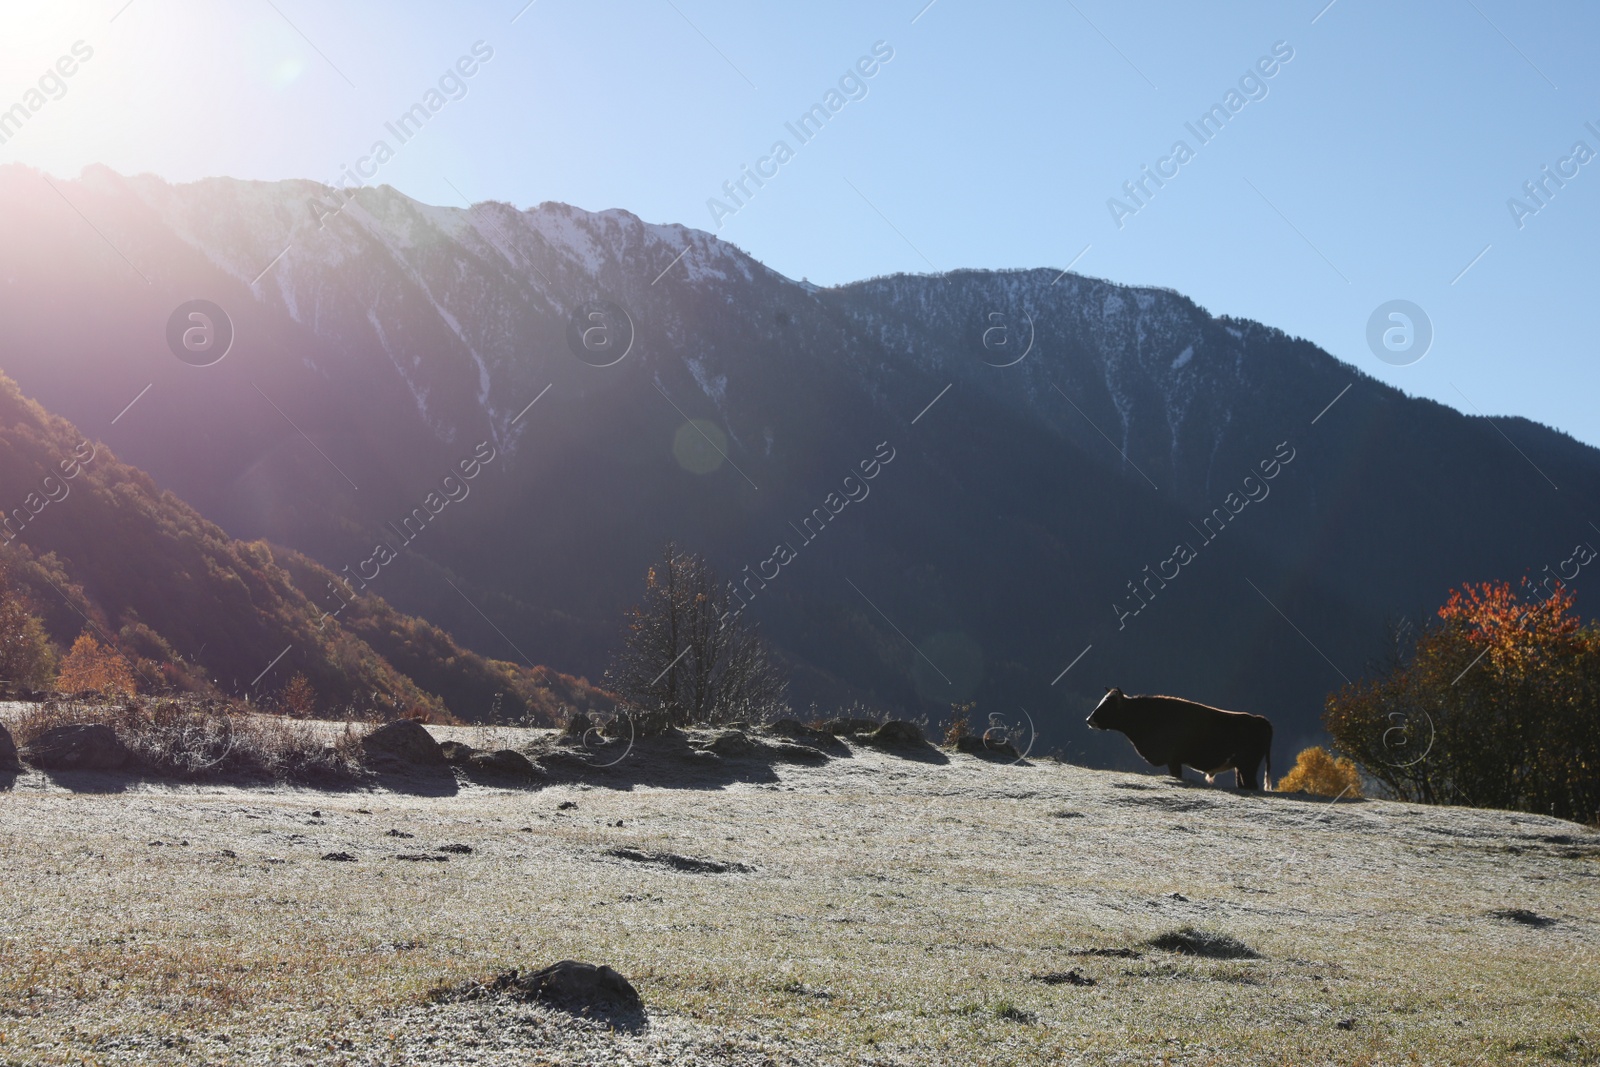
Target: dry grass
x=191 y=739
x=896 y=912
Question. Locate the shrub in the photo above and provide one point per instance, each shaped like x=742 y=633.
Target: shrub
x=1315 y=771
x=960 y=724
x=299 y=698
x=1497 y=705
x=93 y=667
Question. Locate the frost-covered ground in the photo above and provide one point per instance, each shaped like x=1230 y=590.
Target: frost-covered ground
x=895 y=911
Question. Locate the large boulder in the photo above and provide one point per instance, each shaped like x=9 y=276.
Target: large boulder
x=794 y=728
x=504 y=762
x=402 y=742
x=898 y=732
x=456 y=751
x=8 y=752
x=83 y=747
x=733 y=744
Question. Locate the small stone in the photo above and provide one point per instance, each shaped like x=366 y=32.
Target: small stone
x=459 y=850
x=577 y=987
x=566 y=805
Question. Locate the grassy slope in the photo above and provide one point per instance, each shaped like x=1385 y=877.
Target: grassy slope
x=895 y=913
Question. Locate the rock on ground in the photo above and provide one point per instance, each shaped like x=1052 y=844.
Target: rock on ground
x=84 y=747
x=732 y=743
x=504 y=761
x=403 y=741
x=570 y=985
x=8 y=751
x=456 y=751
x=899 y=732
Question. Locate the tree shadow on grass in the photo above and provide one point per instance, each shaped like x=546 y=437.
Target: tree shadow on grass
x=680 y=759
x=418 y=780
x=93 y=782
x=668 y=761
x=915 y=751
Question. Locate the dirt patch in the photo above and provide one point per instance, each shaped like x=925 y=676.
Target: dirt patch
x=688 y=864
x=1190 y=941
x=1523 y=916
x=1072 y=977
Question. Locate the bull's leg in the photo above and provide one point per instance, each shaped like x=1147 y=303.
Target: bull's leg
x=1247 y=773
x=1176 y=770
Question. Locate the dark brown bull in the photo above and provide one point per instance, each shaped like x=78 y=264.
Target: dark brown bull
x=1170 y=732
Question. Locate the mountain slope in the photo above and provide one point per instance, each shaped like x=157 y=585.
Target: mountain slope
x=96 y=546
x=1008 y=536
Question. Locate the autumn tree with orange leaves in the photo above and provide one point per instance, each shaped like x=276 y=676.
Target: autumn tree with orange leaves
x=91 y=666
x=1497 y=705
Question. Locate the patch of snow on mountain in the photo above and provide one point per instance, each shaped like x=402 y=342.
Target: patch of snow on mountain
x=1183 y=357
x=555 y=223
x=714 y=386
x=455 y=328
x=697 y=265
x=418 y=393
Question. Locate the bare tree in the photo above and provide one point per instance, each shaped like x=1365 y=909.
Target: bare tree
x=687 y=653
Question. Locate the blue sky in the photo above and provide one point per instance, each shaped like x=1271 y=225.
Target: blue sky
x=1377 y=166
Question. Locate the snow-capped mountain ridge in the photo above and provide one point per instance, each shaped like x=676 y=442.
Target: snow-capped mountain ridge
x=493 y=281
